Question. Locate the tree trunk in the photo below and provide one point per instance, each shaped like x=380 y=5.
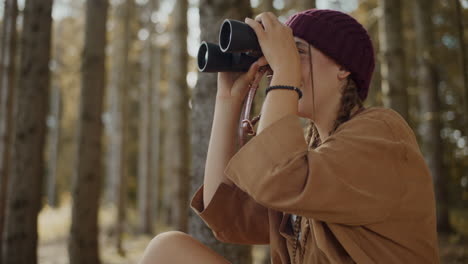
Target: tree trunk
x=53 y=145
x=305 y=4
x=392 y=68
x=463 y=59
x=7 y=77
x=212 y=13
x=154 y=167
x=113 y=128
x=148 y=109
x=267 y=6
x=25 y=185
x=124 y=15
x=157 y=132
x=177 y=140
x=83 y=244
x=430 y=108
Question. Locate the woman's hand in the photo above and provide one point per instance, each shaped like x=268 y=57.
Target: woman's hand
x=234 y=86
x=278 y=47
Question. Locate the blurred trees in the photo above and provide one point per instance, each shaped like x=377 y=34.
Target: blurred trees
x=149 y=144
x=430 y=107
x=392 y=54
x=151 y=66
x=83 y=242
x=305 y=4
x=177 y=147
x=463 y=58
x=52 y=144
x=212 y=13
x=119 y=159
x=7 y=78
x=27 y=162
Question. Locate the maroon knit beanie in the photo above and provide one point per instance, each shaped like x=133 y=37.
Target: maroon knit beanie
x=340 y=37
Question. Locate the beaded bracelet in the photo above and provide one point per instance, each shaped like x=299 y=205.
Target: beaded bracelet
x=287 y=87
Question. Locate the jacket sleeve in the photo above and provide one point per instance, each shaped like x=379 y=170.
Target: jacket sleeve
x=350 y=179
x=233 y=216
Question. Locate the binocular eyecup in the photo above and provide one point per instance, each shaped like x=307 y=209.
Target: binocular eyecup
x=238 y=49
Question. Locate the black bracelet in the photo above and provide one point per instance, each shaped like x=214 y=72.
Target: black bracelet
x=287 y=87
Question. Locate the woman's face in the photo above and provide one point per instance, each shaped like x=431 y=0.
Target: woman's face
x=328 y=79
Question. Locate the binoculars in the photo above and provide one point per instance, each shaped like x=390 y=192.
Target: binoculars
x=238 y=49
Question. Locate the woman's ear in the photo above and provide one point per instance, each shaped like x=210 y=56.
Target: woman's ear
x=343 y=73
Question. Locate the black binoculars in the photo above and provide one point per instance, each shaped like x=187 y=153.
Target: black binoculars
x=238 y=49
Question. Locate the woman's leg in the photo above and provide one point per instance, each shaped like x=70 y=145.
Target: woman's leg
x=176 y=247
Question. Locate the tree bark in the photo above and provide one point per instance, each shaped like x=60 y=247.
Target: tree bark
x=157 y=132
x=25 y=185
x=84 y=244
x=7 y=77
x=463 y=59
x=212 y=13
x=305 y=4
x=124 y=16
x=177 y=137
x=53 y=122
x=430 y=108
x=149 y=106
x=267 y=6
x=392 y=68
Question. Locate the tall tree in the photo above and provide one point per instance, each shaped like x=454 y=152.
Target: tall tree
x=305 y=4
x=430 y=107
x=7 y=77
x=177 y=146
x=53 y=123
x=118 y=168
x=392 y=67
x=463 y=59
x=149 y=131
x=212 y=13
x=83 y=243
x=267 y=6
x=25 y=184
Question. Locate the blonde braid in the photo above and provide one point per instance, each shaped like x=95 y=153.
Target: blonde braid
x=349 y=99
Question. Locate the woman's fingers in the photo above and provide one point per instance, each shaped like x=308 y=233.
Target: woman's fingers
x=250 y=75
x=241 y=86
x=264 y=20
x=262 y=61
x=268 y=20
x=257 y=27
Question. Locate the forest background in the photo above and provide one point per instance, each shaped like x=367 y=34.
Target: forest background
x=105 y=119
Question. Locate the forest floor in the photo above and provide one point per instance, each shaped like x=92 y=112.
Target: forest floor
x=54 y=225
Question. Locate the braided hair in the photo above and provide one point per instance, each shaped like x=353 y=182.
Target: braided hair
x=349 y=100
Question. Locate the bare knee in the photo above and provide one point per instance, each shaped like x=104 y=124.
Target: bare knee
x=168 y=240
x=162 y=246
x=166 y=248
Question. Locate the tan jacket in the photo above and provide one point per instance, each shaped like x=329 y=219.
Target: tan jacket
x=366 y=194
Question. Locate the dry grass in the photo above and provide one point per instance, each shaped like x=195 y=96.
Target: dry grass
x=54 y=226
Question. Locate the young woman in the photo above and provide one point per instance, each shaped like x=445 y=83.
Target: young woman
x=355 y=189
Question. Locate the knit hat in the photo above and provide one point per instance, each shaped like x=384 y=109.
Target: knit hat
x=340 y=37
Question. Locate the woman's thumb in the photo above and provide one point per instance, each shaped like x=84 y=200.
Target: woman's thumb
x=252 y=71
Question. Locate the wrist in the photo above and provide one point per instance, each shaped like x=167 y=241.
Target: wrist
x=228 y=99
x=284 y=87
x=228 y=105
x=285 y=79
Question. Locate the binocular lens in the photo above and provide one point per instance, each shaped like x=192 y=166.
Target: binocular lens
x=202 y=57
x=225 y=35
x=238 y=49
